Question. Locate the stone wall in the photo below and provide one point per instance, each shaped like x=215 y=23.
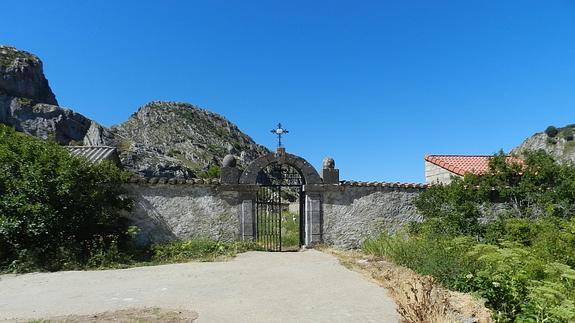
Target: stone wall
x=435 y=174
x=165 y=212
x=352 y=214
x=342 y=215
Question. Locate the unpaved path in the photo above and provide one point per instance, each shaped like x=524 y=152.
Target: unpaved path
x=308 y=286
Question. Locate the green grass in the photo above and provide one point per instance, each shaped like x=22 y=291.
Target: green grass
x=180 y=251
x=198 y=250
x=290 y=231
x=441 y=258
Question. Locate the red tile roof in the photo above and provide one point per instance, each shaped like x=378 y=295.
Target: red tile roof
x=460 y=164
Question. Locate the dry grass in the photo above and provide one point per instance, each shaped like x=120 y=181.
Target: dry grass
x=419 y=299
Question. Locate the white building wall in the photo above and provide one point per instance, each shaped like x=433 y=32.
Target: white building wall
x=435 y=174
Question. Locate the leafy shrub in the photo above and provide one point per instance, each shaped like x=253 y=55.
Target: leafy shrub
x=553 y=298
x=54 y=206
x=502 y=276
x=551 y=131
x=550 y=239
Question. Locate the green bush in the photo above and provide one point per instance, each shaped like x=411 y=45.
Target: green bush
x=551 y=131
x=551 y=239
x=551 y=299
x=53 y=206
x=502 y=276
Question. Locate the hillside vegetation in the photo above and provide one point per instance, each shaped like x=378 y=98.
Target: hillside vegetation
x=507 y=236
x=557 y=142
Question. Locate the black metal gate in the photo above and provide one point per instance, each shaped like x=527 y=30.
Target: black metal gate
x=280 y=186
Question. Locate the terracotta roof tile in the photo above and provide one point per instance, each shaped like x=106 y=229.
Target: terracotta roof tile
x=461 y=164
x=384 y=184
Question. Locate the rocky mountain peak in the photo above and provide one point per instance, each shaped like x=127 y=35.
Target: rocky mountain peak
x=176 y=139
x=28 y=104
x=22 y=75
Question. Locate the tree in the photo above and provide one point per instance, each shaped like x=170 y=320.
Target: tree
x=55 y=207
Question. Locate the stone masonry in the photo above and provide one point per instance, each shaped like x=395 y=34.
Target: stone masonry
x=437 y=175
x=352 y=214
x=342 y=214
x=168 y=211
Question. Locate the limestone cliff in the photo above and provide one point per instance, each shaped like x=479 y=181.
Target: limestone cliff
x=559 y=144
x=176 y=139
x=28 y=105
x=22 y=75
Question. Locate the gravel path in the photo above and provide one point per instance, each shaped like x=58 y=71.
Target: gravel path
x=307 y=286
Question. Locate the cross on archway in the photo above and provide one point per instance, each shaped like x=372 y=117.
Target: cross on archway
x=279 y=131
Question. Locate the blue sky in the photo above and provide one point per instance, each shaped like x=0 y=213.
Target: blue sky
x=374 y=84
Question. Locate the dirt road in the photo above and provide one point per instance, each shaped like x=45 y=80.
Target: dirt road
x=307 y=286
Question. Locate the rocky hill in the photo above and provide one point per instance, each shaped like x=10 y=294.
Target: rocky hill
x=558 y=142
x=164 y=139
x=22 y=75
x=176 y=139
x=28 y=104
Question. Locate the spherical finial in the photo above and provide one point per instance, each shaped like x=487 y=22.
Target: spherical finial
x=328 y=163
x=229 y=161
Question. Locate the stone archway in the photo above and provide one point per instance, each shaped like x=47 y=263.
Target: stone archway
x=310 y=175
x=246 y=184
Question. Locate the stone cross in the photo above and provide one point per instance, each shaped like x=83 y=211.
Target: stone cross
x=279 y=132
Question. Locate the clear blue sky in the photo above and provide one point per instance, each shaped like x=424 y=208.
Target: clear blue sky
x=375 y=84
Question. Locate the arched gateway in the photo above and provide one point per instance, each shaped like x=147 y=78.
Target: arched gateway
x=281 y=198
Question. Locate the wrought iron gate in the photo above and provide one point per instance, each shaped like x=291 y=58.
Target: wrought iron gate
x=280 y=185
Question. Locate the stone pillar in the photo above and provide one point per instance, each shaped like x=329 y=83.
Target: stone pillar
x=313 y=218
x=229 y=173
x=247 y=212
x=329 y=173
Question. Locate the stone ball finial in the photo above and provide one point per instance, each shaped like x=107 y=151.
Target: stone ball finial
x=328 y=163
x=229 y=161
